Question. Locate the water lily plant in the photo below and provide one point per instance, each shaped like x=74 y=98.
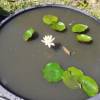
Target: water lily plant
x=48 y=40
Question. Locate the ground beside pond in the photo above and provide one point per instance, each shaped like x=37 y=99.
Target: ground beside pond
x=92 y=6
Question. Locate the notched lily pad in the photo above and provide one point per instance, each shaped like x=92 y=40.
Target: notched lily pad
x=50 y=19
x=59 y=26
x=69 y=81
x=71 y=77
x=28 y=34
x=75 y=72
x=89 y=86
x=79 y=28
x=52 y=72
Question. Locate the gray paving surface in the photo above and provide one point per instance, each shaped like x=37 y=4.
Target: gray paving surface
x=4 y=93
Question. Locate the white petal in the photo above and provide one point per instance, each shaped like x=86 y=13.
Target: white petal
x=43 y=41
x=46 y=43
x=52 y=44
x=49 y=45
x=45 y=37
x=53 y=39
x=50 y=37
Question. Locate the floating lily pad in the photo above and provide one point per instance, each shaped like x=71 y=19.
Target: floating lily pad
x=75 y=72
x=69 y=81
x=60 y=26
x=52 y=72
x=84 y=38
x=50 y=19
x=28 y=34
x=71 y=77
x=78 y=28
x=89 y=85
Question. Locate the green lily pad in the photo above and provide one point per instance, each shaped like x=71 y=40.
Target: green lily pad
x=71 y=77
x=75 y=73
x=84 y=38
x=89 y=86
x=52 y=72
x=50 y=19
x=59 y=26
x=69 y=81
x=28 y=34
x=78 y=28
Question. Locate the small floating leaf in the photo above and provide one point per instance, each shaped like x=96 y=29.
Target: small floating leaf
x=28 y=34
x=69 y=81
x=60 y=26
x=84 y=38
x=71 y=77
x=79 y=28
x=50 y=19
x=52 y=72
x=75 y=72
x=89 y=85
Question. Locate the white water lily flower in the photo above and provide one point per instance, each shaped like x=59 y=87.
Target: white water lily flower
x=48 y=40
